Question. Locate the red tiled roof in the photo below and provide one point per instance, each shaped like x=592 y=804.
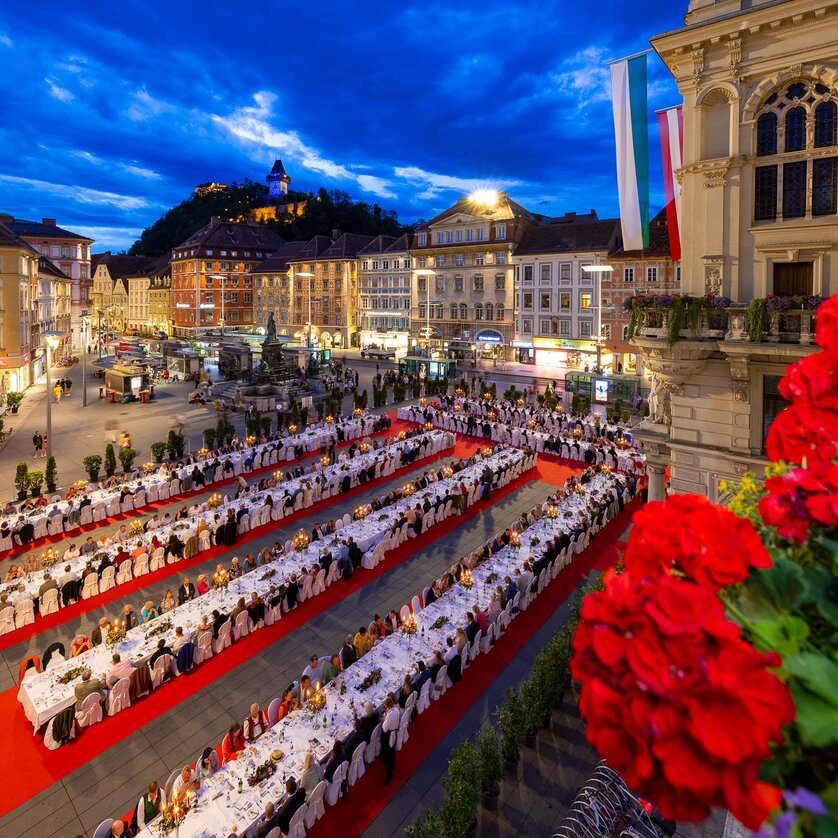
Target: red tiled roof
x=278 y=263
x=568 y=235
x=313 y=249
x=233 y=234
x=347 y=246
x=658 y=241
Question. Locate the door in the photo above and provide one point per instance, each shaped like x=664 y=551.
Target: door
x=793 y=279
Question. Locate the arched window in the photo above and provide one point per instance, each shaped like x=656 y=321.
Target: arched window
x=826 y=125
x=454 y=311
x=809 y=116
x=463 y=311
x=478 y=311
x=500 y=311
x=490 y=311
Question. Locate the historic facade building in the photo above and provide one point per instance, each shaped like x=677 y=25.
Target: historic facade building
x=272 y=289
x=759 y=226
x=211 y=283
x=468 y=299
x=384 y=292
x=557 y=301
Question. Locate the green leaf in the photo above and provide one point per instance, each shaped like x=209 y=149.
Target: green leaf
x=818 y=673
x=822 y=590
x=784 y=635
x=774 y=591
x=817 y=720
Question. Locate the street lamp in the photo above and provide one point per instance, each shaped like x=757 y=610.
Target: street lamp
x=308 y=275
x=427 y=273
x=598 y=271
x=51 y=341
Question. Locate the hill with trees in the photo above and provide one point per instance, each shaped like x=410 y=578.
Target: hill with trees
x=326 y=210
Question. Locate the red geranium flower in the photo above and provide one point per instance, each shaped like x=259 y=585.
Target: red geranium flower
x=826 y=324
x=802 y=432
x=675 y=700
x=813 y=381
x=706 y=542
x=820 y=483
x=784 y=507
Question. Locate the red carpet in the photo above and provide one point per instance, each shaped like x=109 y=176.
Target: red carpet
x=369 y=796
x=35 y=768
x=43 y=624
x=396 y=426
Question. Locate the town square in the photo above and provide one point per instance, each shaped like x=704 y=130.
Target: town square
x=419 y=420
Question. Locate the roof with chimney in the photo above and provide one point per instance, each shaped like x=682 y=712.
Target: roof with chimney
x=379 y=244
x=571 y=233
x=9 y=238
x=278 y=263
x=219 y=233
x=313 y=249
x=44 y=229
x=122 y=267
x=658 y=241
x=347 y=246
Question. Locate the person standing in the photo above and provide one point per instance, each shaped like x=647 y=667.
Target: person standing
x=37 y=444
x=389 y=732
x=44 y=445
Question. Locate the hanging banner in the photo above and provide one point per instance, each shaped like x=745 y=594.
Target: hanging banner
x=628 y=97
x=671 y=125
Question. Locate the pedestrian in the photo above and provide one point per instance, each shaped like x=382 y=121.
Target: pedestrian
x=356 y=379
x=56 y=392
x=37 y=443
x=68 y=386
x=44 y=446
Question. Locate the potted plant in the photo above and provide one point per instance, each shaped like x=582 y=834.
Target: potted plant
x=127 y=457
x=21 y=480
x=51 y=475
x=265 y=422
x=92 y=463
x=428 y=826
x=110 y=459
x=491 y=769
x=320 y=407
x=458 y=811
x=626 y=415
x=35 y=480
x=511 y=732
x=13 y=400
x=304 y=416
x=209 y=438
x=158 y=449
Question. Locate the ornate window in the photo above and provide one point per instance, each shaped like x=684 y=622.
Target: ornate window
x=796 y=181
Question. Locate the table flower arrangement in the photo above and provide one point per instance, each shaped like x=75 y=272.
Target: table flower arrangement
x=429 y=426
x=135 y=528
x=577 y=433
x=116 y=634
x=487 y=451
x=447 y=471
x=361 y=512
x=514 y=541
x=459 y=392
x=49 y=557
x=358 y=412
x=173 y=813
x=579 y=489
x=316 y=699
x=330 y=420
x=324 y=461
x=439 y=622
x=159 y=627
x=364 y=448
x=552 y=511
x=292 y=429
x=214 y=501
x=149 y=468
x=370 y=681
x=713 y=656
x=535 y=541
x=70 y=675
x=262 y=772
x=402 y=435
x=532 y=424
x=220 y=579
x=408 y=489
x=492 y=578
x=466 y=580
x=268 y=574
x=202 y=452
x=300 y=541
x=492 y=414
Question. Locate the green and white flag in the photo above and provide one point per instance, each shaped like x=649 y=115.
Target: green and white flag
x=631 y=130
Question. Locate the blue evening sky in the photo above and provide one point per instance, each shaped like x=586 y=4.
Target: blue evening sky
x=113 y=112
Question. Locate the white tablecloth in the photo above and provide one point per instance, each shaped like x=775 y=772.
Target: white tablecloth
x=43 y=696
x=221 y=808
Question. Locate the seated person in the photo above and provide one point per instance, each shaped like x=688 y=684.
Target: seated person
x=232 y=744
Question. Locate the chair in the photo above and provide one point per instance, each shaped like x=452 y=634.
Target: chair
x=356 y=766
x=104 y=828
x=118 y=699
x=91 y=710
x=223 y=640
x=158 y=559
x=51 y=650
x=49 y=603
x=474 y=651
x=273 y=710
x=242 y=626
x=316 y=807
x=24 y=612
x=171 y=781
x=140 y=565
x=296 y=826
x=185 y=658
x=404 y=613
x=403 y=735
x=486 y=642
x=108 y=579
x=276 y=832
x=441 y=683
x=7 y=619
x=424 y=697
x=91 y=586
x=162 y=667
x=416 y=604
x=374 y=747
x=125 y=574
x=333 y=792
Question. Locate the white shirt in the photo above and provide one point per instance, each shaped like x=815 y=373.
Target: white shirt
x=161 y=796
x=391 y=723
x=180 y=786
x=450 y=653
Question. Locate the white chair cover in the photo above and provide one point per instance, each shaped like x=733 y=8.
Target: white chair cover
x=242 y=626
x=333 y=792
x=316 y=806
x=356 y=766
x=297 y=826
x=91 y=710
x=223 y=638
x=24 y=612
x=7 y=619
x=108 y=579
x=424 y=697
x=162 y=665
x=374 y=747
x=104 y=828
x=118 y=699
x=203 y=650
x=49 y=603
x=141 y=565
x=91 y=586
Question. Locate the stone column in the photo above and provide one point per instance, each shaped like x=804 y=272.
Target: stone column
x=657 y=482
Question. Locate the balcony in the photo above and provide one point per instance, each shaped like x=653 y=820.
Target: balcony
x=778 y=320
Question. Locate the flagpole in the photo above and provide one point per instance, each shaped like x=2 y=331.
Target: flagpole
x=670 y=108
x=629 y=57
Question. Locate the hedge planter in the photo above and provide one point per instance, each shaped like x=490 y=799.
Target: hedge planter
x=490 y=802
x=530 y=739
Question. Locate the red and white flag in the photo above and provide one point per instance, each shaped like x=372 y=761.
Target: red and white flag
x=671 y=125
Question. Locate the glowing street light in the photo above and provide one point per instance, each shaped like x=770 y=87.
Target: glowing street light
x=486 y=197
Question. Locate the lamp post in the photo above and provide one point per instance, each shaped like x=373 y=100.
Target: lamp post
x=51 y=341
x=427 y=273
x=598 y=271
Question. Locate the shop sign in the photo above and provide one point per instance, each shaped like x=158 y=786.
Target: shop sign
x=489 y=336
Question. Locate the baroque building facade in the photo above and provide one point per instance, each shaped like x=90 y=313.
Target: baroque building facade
x=759 y=230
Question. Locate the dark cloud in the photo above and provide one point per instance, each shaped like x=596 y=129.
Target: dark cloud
x=112 y=113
